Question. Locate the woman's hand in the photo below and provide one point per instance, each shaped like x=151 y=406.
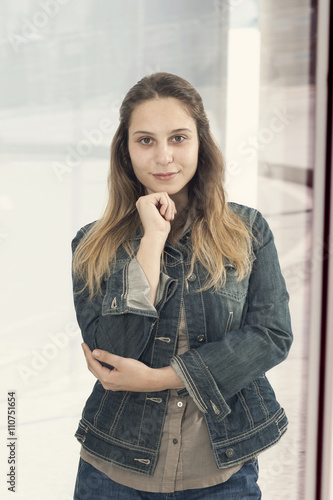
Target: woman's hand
x=156 y=211
x=129 y=374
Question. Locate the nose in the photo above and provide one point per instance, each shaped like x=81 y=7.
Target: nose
x=163 y=155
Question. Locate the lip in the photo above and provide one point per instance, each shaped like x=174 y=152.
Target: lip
x=165 y=177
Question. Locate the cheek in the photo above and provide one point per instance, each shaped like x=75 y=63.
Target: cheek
x=137 y=158
x=192 y=160
x=140 y=165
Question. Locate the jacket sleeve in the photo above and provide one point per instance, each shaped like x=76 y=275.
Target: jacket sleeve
x=216 y=371
x=120 y=319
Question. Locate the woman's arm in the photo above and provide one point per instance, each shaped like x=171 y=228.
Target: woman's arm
x=216 y=371
x=129 y=374
x=119 y=312
x=156 y=211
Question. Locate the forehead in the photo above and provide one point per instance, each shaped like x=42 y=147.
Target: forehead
x=161 y=113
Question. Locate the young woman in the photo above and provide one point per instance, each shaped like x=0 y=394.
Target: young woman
x=183 y=308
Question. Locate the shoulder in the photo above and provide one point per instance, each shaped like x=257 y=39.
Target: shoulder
x=247 y=214
x=254 y=220
x=242 y=211
x=81 y=233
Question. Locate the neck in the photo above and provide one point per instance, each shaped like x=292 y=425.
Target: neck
x=180 y=199
x=182 y=220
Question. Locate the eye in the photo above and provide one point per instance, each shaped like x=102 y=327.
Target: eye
x=178 y=138
x=146 y=141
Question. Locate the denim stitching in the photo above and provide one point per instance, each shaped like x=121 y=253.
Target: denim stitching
x=246 y=408
x=228 y=325
x=249 y=455
x=273 y=420
x=125 y=282
x=196 y=395
x=201 y=298
x=97 y=414
x=155 y=400
x=121 y=465
x=119 y=412
x=225 y=428
x=142 y=418
x=112 y=439
x=261 y=399
x=207 y=375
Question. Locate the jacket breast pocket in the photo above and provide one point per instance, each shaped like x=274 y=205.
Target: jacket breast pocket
x=233 y=288
x=226 y=306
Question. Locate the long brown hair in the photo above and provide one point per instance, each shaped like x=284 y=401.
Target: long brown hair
x=217 y=233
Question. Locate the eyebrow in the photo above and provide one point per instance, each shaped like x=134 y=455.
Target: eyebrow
x=176 y=131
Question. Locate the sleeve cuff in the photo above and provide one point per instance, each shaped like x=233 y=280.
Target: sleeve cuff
x=139 y=288
x=128 y=291
x=200 y=384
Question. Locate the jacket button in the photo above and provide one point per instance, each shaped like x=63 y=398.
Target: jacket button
x=201 y=338
x=192 y=277
x=230 y=452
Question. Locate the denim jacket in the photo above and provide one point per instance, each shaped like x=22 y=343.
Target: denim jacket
x=235 y=335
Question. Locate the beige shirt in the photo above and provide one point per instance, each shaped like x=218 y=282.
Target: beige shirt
x=185 y=460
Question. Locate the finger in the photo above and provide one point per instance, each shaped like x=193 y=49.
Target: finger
x=94 y=360
x=170 y=212
x=94 y=366
x=163 y=202
x=106 y=357
x=92 y=363
x=167 y=208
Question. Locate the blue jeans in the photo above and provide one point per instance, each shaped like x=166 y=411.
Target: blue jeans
x=92 y=484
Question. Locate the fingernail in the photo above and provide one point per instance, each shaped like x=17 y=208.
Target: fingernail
x=96 y=353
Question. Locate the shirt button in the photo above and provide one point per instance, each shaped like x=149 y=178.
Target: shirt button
x=175 y=441
x=179 y=404
x=192 y=277
x=201 y=338
x=229 y=452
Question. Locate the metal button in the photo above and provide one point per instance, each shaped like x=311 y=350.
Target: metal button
x=179 y=404
x=229 y=452
x=192 y=277
x=201 y=338
x=175 y=441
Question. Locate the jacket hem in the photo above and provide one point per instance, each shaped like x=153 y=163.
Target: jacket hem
x=128 y=456
x=231 y=452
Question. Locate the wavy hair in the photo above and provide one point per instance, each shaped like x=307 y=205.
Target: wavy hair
x=217 y=233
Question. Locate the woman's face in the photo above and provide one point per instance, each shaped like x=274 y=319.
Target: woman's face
x=163 y=146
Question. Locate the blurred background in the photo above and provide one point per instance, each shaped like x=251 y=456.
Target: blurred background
x=65 y=67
